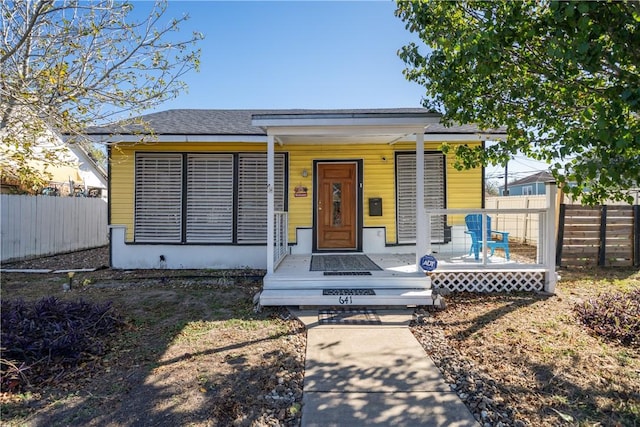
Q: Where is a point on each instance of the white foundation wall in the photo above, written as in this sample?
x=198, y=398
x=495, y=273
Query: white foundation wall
x=373, y=242
x=148, y=256
x=141, y=256
x=304, y=238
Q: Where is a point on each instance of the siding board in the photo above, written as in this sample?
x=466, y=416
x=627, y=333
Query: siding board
x=464, y=188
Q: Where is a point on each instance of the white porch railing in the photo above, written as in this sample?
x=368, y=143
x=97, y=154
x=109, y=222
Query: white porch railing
x=457, y=254
x=281, y=242
x=461, y=242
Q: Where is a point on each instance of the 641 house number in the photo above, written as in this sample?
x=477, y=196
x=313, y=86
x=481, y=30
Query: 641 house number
x=345, y=300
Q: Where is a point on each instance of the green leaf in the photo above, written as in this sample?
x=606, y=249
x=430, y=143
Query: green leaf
x=71, y=48
x=583, y=7
x=562, y=76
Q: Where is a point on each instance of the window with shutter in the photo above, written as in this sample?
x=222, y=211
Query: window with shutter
x=434, y=195
x=252, y=195
x=209, y=198
x=158, y=198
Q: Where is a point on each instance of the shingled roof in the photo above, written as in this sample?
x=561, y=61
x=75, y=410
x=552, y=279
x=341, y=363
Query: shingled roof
x=542, y=176
x=238, y=122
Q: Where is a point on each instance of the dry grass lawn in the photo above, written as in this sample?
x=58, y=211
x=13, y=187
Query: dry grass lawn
x=548, y=368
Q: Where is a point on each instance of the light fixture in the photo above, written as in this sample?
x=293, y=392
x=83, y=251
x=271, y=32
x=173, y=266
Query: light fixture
x=305, y=173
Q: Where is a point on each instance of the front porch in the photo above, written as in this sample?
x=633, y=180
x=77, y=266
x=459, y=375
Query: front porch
x=398, y=283
x=399, y=280
x=405, y=217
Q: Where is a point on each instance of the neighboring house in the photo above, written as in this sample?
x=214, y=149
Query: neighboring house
x=76, y=174
x=252, y=188
x=531, y=185
x=93, y=177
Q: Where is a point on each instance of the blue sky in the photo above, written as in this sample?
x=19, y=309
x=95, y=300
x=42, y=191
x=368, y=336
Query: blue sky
x=296, y=54
x=301, y=54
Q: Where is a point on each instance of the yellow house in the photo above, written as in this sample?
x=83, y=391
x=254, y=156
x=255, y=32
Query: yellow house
x=253, y=188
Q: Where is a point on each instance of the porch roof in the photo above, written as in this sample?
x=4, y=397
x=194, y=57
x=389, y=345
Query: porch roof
x=251, y=125
x=352, y=126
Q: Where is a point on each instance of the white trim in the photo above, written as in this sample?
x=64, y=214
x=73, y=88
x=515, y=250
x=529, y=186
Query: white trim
x=455, y=211
x=261, y=139
x=456, y=137
x=346, y=131
x=488, y=280
x=144, y=138
x=270, y=203
x=550, y=240
x=88, y=168
x=423, y=234
x=401, y=122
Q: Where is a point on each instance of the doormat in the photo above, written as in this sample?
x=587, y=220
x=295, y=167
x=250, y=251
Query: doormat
x=356, y=262
x=349, y=317
x=347, y=273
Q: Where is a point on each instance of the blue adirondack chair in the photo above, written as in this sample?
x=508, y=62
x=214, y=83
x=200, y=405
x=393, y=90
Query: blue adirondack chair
x=474, y=229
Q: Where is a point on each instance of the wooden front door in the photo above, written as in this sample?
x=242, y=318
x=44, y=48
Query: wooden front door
x=336, y=210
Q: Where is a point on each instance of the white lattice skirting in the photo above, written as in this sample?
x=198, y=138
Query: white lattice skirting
x=489, y=281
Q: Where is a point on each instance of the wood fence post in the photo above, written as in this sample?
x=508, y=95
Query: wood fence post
x=561, y=216
x=526, y=221
x=602, y=250
x=636, y=236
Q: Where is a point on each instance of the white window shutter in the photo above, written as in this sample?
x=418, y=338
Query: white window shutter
x=434, y=195
x=209, y=198
x=158, y=198
x=252, y=195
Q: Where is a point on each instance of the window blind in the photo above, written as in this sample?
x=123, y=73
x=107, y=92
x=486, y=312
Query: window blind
x=434, y=195
x=158, y=198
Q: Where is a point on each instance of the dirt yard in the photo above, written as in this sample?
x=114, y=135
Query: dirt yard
x=193, y=352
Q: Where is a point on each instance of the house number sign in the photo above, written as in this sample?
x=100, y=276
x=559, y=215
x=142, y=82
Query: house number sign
x=345, y=300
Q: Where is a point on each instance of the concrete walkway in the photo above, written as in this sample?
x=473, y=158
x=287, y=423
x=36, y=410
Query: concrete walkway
x=374, y=375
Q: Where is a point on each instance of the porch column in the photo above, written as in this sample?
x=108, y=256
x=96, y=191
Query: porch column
x=550, y=238
x=421, y=218
x=270, y=202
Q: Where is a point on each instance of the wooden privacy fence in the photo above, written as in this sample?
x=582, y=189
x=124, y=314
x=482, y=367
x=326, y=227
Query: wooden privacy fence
x=35, y=226
x=602, y=235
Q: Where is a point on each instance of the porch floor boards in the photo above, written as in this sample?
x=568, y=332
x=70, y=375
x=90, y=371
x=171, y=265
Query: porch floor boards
x=398, y=271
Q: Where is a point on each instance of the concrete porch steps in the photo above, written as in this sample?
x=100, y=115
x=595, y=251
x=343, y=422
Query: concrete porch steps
x=348, y=297
x=317, y=280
